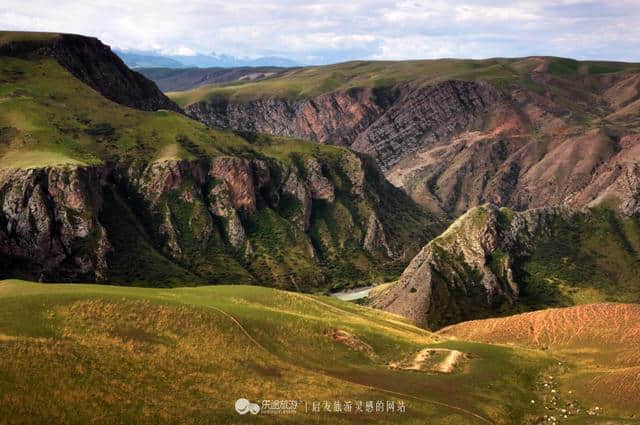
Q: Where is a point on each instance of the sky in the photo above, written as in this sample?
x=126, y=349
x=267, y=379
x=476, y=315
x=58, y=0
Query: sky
x=328, y=31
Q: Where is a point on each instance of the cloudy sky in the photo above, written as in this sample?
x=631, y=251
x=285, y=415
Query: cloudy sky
x=326, y=31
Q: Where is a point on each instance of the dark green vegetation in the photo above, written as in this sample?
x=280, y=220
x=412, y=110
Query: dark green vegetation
x=154, y=198
x=569, y=259
x=314, y=81
x=586, y=258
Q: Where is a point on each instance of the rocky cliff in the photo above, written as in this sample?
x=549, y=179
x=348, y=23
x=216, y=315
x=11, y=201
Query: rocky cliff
x=388, y=124
x=334, y=118
x=494, y=261
x=522, y=133
x=305, y=224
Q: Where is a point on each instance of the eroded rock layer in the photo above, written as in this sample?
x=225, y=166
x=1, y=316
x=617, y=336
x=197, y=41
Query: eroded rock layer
x=539, y=137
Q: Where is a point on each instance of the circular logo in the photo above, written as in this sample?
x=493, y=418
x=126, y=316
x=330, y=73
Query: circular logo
x=254, y=409
x=242, y=406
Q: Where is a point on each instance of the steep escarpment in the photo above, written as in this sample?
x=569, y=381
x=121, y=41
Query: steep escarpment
x=94, y=64
x=494, y=261
x=388, y=124
x=299, y=224
x=46, y=218
x=524, y=133
x=427, y=116
x=333, y=118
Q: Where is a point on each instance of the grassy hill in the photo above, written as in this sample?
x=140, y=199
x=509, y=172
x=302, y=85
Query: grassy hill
x=316, y=80
x=50, y=118
x=110, y=355
x=81, y=353
x=599, y=342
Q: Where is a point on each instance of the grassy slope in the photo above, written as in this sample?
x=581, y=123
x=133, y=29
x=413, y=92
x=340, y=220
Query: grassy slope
x=50, y=118
x=599, y=342
x=313, y=81
x=47, y=117
x=71, y=353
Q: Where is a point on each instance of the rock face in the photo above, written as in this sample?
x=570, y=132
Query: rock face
x=426, y=116
x=335, y=118
x=484, y=264
x=97, y=66
x=386, y=123
x=223, y=219
x=545, y=140
x=48, y=222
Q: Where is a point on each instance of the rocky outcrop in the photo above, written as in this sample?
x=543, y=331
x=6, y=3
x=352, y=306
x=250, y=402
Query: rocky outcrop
x=375, y=239
x=243, y=178
x=96, y=65
x=319, y=185
x=295, y=188
x=221, y=206
x=221, y=219
x=468, y=271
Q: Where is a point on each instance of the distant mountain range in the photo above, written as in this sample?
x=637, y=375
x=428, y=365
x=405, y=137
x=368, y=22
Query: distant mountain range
x=178, y=79
x=150, y=59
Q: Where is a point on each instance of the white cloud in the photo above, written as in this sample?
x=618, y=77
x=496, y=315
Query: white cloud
x=493, y=15
x=329, y=30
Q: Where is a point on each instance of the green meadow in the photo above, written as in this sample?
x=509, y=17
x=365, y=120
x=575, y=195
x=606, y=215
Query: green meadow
x=113, y=355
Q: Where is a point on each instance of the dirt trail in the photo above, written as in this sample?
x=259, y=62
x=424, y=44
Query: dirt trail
x=450, y=362
x=447, y=365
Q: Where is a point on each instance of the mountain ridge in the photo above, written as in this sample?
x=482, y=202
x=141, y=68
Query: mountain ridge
x=455, y=133
x=93, y=63
x=147, y=59
x=169, y=79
